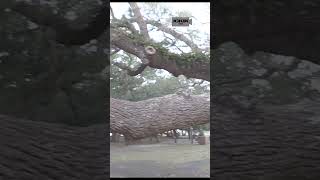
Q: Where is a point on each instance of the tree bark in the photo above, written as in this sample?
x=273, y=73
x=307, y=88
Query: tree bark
x=145, y=118
x=36, y=150
x=265, y=116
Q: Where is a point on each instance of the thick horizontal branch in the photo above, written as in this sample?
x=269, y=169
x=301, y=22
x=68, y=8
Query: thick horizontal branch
x=191, y=65
x=145, y=118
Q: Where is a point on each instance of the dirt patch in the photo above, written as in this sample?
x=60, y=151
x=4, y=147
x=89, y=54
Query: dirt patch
x=164, y=159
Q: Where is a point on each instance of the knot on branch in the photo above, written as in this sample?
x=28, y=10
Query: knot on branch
x=150, y=50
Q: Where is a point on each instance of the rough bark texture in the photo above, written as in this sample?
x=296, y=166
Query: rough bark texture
x=265, y=116
x=36, y=150
x=149, y=117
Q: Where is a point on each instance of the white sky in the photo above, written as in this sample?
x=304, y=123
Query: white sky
x=201, y=10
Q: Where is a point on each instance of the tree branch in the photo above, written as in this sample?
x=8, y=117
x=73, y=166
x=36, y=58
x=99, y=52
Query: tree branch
x=152, y=54
x=172, y=111
x=175, y=34
x=197, y=83
x=173, y=42
x=191, y=67
x=113, y=17
x=122, y=41
x=141, y=23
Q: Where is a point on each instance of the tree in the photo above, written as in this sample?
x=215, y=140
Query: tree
x=260, y=130
x=124, y=36
x=152, y=54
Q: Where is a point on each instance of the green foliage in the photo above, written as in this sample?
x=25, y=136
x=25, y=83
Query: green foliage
x=203, y=127
x=195, y=56
x=144, y=86
x=148, y=84
x=121, y=84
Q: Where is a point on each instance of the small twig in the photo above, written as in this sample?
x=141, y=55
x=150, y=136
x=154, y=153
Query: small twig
x=173, y=42
x=198, y=83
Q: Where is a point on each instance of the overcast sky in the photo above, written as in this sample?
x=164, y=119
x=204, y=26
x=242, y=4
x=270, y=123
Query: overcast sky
x=200, y=10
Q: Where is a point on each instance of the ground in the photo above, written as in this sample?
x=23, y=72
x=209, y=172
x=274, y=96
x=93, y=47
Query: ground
x=164, y=159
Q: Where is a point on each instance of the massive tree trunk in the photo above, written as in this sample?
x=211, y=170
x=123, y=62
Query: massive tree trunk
x=265, y=116
x=36, y=150
x=149, y=117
